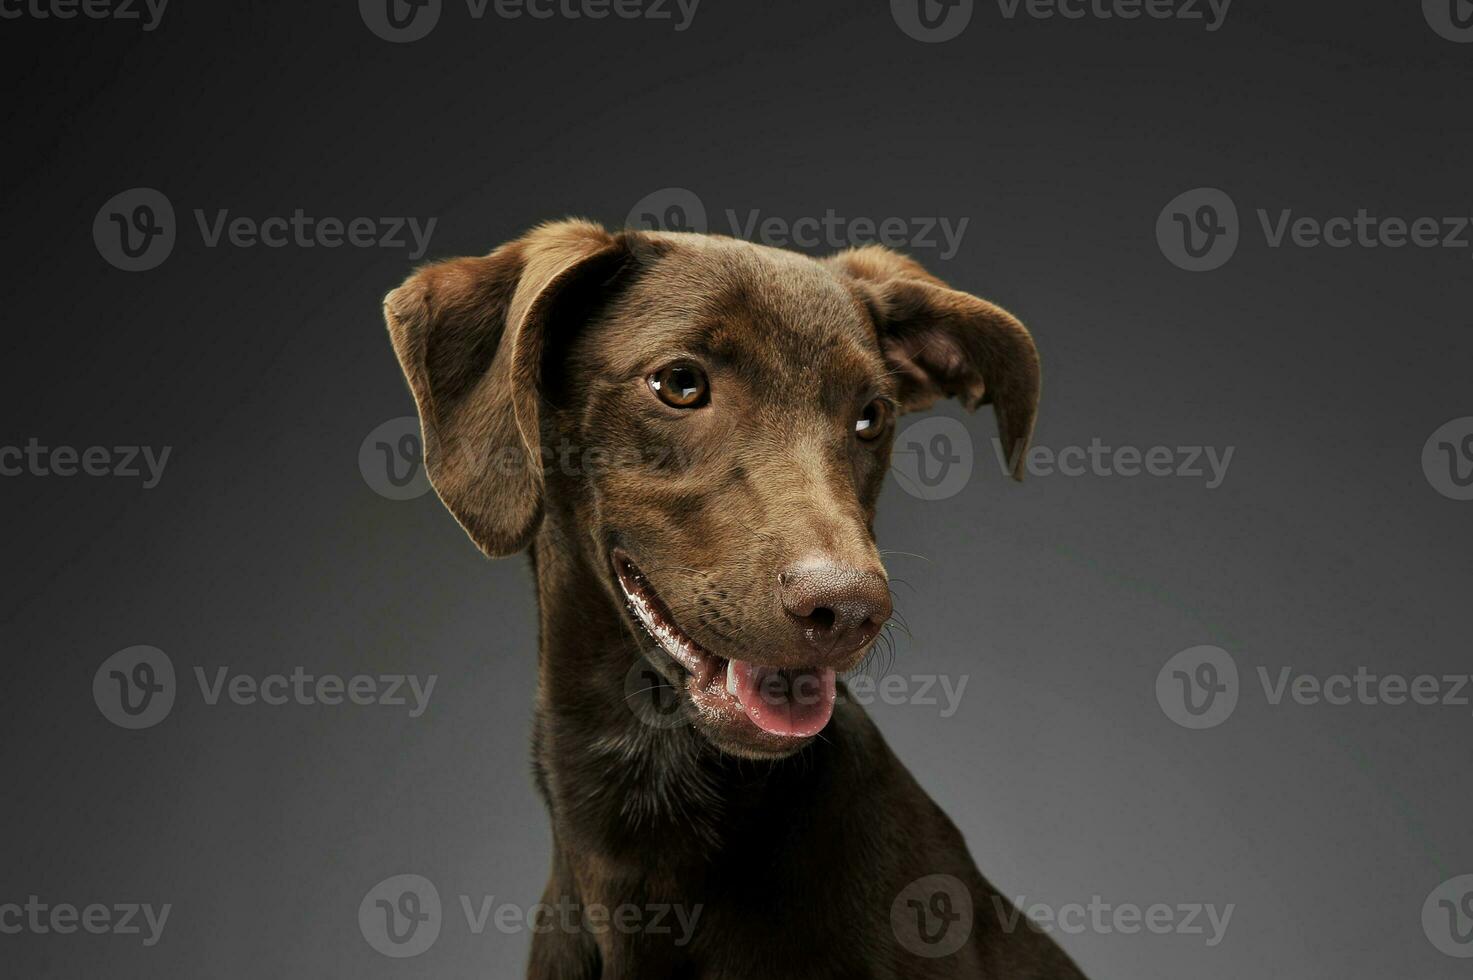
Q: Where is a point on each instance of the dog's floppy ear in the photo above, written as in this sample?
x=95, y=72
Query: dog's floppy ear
x=469, y=335
x=945, y=343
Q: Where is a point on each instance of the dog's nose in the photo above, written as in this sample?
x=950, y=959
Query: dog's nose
x=839, y=609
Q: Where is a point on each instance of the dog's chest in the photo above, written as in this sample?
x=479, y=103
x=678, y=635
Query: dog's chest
x=713, y=937
x=752, y=910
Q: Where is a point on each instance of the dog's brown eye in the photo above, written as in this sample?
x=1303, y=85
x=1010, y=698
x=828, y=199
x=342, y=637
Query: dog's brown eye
x=680, y=386
x=871, y=425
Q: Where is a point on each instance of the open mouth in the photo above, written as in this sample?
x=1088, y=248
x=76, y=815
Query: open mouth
x=790, y=703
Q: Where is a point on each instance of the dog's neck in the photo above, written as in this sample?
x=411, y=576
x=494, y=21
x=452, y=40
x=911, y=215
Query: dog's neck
x=612, y=780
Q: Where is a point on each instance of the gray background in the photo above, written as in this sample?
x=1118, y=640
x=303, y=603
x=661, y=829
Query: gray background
x=263, y=547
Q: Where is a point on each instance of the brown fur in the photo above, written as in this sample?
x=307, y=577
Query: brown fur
x=528, y=367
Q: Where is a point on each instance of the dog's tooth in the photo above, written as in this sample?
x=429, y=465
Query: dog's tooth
x=731, y=678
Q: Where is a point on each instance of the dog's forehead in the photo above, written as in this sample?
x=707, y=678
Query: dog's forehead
x=769, y=312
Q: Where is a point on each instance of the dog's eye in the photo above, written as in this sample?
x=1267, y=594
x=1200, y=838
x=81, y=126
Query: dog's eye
x=680, y=386
x=871, y=425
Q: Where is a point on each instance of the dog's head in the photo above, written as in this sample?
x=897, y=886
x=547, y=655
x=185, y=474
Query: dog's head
x=707, y=423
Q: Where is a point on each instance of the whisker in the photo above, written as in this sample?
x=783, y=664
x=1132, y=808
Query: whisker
x=898, y=619
x=901, y=581
x=907, y=554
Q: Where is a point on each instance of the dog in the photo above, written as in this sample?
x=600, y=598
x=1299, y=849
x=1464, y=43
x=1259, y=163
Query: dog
x=689, y=434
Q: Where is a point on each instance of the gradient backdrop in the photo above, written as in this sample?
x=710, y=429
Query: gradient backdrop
x=1336, y=541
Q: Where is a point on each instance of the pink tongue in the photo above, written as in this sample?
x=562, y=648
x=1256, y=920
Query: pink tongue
x=794, y=703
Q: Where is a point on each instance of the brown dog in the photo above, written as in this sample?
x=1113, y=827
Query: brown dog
x=690, y=433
